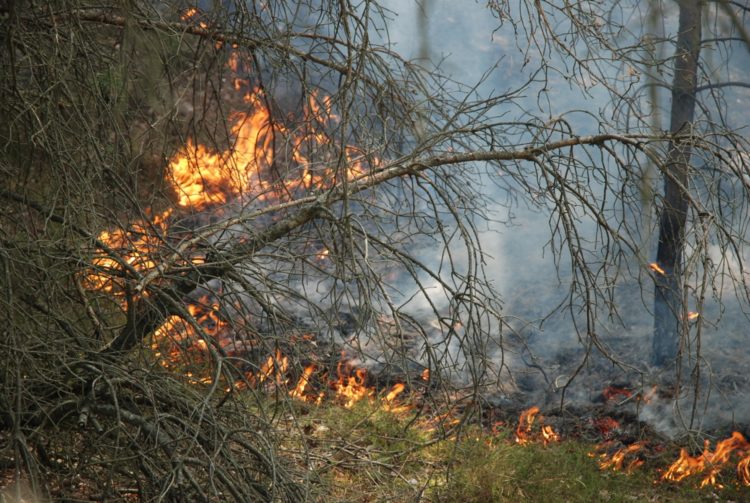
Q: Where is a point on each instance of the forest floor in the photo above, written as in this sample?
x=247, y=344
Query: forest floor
x=368, y=453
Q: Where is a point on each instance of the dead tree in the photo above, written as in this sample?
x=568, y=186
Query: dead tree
x=669, y=309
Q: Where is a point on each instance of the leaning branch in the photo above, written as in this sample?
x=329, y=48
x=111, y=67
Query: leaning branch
x=149, y=315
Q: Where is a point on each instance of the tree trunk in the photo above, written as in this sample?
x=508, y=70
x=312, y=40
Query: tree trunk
x=668, y=298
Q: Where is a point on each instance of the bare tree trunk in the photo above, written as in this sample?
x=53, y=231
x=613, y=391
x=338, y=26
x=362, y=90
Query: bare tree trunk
x=668, y=298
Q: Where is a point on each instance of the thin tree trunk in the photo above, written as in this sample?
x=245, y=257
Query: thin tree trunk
x=668, y=299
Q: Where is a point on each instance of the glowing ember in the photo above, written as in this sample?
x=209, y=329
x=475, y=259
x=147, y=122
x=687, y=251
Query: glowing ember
x=711, y=463
x=190, y=12
x=612, y=392
x=656, y=268
x=426, y=375
x=692, y=316
x=606, y=425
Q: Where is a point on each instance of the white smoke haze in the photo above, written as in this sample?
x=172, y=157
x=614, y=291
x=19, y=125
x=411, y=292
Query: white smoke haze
x=544, y=351
x=464, y=41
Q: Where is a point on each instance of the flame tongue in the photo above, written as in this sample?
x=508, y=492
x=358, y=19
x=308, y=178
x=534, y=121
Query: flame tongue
x=525, y=422
x=711, y=463
x=616, y=461
x=203, y=178
x=525, y=425
x=350, y=386
x=743, y=470
x=299, y=389
x=657, y=268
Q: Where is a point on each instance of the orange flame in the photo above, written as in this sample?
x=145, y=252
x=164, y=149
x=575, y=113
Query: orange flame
x=274, y=366
x=617, y=460
x=656, y=268
x=299, y=390
x=525, y=422
x=203, y=178
x=711, y=463
x=525, y=425
x=549, y=434
x=350, y=388
x=743, y=470
x=389, y=401
x=395, y=391
x=137, y=249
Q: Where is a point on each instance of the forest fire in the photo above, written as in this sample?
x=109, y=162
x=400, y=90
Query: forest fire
x=708, y=465
x=136, y=249
x=206, y=180
x=350, y=386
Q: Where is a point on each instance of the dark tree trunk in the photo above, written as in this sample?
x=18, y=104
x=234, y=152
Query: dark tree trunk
x=668, y=299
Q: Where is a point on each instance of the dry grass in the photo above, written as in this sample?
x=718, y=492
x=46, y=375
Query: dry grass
x=366, y=454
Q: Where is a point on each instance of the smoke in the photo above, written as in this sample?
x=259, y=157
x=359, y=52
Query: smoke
x=548, y=337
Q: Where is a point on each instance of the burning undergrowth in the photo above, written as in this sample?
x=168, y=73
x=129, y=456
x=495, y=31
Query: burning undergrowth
x=299, y=318
x=602, y=391
x=310, y=315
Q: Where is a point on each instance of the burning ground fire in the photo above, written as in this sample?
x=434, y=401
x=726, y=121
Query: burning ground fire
x=205, y=180
x=707, y=465
x=524, y=430
x=616, y=461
